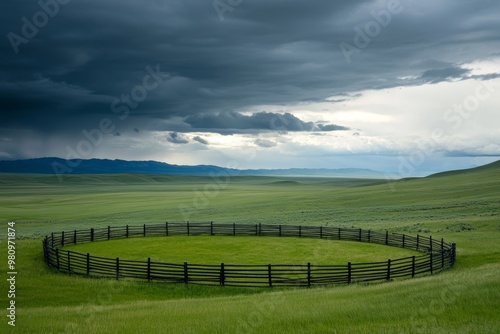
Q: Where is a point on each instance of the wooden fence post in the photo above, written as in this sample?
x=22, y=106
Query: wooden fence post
x=109, y=232
x=222, y=275
x=338, y=233
x=418, y=241
x=52, y=239
x=386, y=237
x=300, y=231
x=389, y=270
x=57, y=257
x=280, y=230
x=186, y=276
x=349, y=272
x=369, y=235
x=403, y=240
x=359, y=234
x=74, y=238
x=44, y=244
x=234, y=229
x=430, y=243
x=62, y=238
x=166, y=228
x=431, y=262
x=413, y=266
x=88, y=264
x=308, y=274
x=144, y=230
x=187, y=226
x=69, y=263
x=211, y=228
x=117, y=268
x=92, y=235
x=269, y=274
x=126, y=231
x=321, y=232
x=260, y=229
x=149, y=269
x=45, y=250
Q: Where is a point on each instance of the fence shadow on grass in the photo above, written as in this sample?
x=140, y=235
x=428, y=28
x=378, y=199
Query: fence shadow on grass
x=437, y=255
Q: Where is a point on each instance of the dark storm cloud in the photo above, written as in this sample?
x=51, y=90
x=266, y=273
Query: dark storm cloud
x=232, y=122
x=177, y=138
x=331, y=127
x=453, y=73
x=66, y=76
x=444, y=74
x=200, y=140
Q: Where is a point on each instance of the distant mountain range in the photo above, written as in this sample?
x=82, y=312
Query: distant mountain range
x=106, y=166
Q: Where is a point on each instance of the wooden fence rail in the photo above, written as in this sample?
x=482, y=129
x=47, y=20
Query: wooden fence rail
x=437, y=255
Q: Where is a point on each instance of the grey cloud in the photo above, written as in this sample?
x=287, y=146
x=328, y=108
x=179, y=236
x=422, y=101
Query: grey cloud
x=489, y=76
x=339, y=100
x=262, y=121
x=265, y=143
x=332, y=127
x=177, y=138
x=200, y=140
x=444, y=74
x=480, y=152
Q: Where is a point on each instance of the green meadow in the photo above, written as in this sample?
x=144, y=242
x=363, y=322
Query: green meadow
x=241, y=250
x=461, y=207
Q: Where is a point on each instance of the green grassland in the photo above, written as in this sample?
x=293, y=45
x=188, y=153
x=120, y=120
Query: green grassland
x=461, y=207
x=241, y=250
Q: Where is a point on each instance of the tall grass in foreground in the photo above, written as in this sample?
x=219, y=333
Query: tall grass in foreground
x=451, y=302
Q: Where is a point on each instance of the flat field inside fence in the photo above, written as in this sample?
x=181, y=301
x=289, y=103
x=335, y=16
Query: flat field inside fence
x=461, y=207
x=241, y=250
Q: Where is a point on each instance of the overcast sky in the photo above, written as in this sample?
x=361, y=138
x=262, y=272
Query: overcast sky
x=404, y=86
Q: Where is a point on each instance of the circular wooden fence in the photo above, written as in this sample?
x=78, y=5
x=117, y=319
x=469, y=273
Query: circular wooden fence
x=437, y=255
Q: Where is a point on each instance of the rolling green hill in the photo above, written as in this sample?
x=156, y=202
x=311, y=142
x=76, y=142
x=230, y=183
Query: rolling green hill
x=459, y=206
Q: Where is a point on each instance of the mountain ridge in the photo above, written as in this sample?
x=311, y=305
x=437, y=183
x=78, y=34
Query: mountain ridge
x=59, y=166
